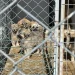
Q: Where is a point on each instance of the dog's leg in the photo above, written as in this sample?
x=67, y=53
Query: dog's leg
x=72, y=57
x=13, y=43
x=39, y=51
x=28, y=50
x=17, y=43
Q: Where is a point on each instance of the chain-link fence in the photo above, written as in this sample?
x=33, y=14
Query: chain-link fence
x=18, y=44
x=27, y=37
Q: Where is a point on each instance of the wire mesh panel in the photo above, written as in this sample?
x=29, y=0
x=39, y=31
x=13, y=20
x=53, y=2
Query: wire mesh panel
x=27, y=39
x=25, y=30
x=4, y=29
x=69, y=39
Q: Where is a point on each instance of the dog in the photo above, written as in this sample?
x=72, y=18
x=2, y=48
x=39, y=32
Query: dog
x=24, y=23
x=30, y=39
x=23, y=34
x=36, y=26
x=14, y=31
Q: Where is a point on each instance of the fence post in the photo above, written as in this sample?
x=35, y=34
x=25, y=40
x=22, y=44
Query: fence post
x=56, y=37
x=62, y=37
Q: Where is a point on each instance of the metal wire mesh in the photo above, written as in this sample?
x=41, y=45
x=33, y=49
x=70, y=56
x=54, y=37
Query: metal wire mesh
x=69, y=39
x=39, y=63
x=23, y=26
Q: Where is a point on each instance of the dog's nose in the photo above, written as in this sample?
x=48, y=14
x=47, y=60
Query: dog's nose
x=15, y=31
x=35, y=29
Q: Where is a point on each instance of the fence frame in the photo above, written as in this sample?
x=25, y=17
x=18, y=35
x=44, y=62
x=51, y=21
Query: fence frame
x=51, y=31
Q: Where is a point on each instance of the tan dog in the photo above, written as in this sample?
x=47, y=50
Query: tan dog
x=32, y=38
x=24, y=23
x=14, y=31
x=36, y=26
x=23, y=34
x=29, y=36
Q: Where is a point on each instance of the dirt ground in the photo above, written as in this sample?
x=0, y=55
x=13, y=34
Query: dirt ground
x=69, y=68
x=33, y=65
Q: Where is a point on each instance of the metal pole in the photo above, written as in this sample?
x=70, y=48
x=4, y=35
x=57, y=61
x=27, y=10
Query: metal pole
x=7, y=56
x=56, y=36
x=21, y=72
x=62, y=37
x=6, y=8
x=60, y=44
x=12, y=73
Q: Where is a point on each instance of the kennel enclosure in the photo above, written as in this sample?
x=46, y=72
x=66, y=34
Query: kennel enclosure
x=51, y=15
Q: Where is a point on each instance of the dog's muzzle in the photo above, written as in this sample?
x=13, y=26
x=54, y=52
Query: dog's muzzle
x=34, y=28
x=14, y=31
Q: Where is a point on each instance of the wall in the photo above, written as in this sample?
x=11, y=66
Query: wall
x=42, y=9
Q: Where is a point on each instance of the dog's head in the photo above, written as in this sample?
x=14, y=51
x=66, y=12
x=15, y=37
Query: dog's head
x=24, y=23
x=24, y=33
x=35, y=26
x=14, y=28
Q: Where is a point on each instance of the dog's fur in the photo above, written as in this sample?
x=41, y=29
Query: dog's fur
x=24, y=23
x=14, y=31
x=36, y=26
x=24, y=33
